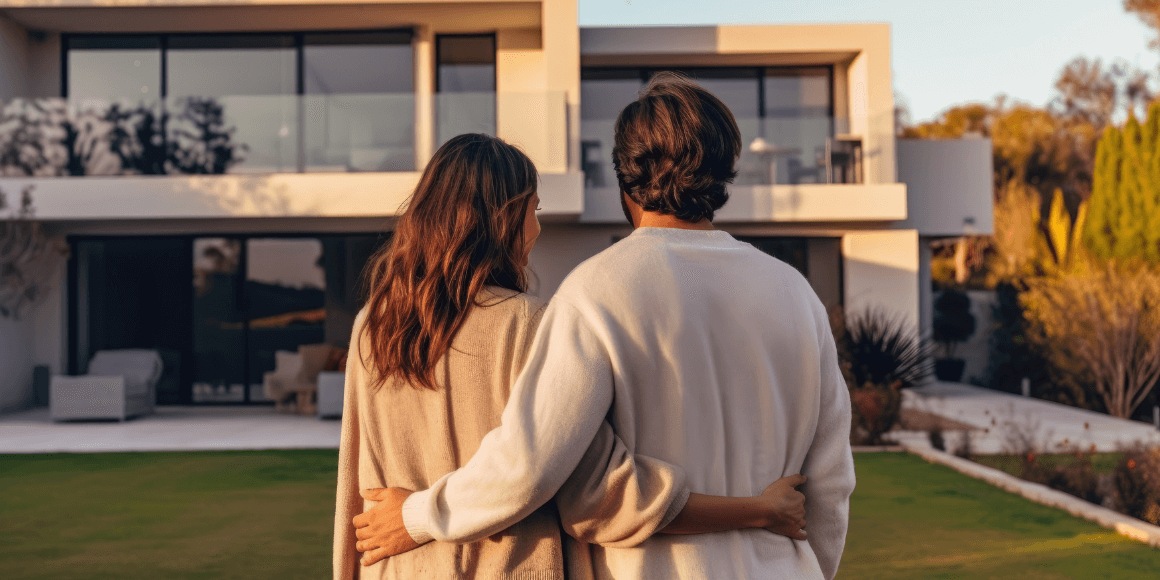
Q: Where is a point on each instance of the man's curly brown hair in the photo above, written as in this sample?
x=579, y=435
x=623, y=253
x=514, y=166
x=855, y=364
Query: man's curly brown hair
x=675, y=149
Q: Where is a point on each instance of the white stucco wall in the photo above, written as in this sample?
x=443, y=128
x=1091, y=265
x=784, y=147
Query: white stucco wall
x=242, y=195
x=13, y=60
x=15, y=363
x=35, y=338
x=881, y=272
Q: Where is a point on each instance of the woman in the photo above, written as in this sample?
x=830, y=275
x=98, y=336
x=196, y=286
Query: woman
x=446, y=330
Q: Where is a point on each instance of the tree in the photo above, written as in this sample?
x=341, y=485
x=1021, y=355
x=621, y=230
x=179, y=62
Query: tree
x=1104, y=324
x=1124, y=220
x=24, y=256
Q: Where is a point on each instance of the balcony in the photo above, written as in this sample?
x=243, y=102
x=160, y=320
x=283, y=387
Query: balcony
x=792, y=168
x=258, y=155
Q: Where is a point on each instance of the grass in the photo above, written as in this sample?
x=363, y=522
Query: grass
x=269, y=514
x=914, y=520
x=266, y=514
x=1102, y=463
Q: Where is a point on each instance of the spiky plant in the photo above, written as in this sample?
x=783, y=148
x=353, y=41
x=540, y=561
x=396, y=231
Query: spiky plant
x=884, y=350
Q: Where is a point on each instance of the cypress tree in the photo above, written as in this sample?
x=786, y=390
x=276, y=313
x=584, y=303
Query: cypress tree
x=1123, y=221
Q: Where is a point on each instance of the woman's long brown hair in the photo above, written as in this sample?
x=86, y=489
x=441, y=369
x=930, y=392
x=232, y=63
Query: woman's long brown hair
x=462, y=229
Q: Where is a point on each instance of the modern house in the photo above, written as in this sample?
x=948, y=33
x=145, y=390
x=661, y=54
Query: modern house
x=222, y=169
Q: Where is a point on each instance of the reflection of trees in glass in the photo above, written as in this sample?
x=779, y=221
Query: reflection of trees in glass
x=48, y=137
x=213, y=257
x=41, y=138
x=202, y=143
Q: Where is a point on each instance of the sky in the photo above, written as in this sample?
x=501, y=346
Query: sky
x=944, y=52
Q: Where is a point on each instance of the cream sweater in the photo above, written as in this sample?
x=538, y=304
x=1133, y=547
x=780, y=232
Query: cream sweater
x=399, y=436
x=701, y=351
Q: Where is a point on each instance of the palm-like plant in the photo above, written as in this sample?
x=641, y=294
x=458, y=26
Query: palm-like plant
x=882, y=349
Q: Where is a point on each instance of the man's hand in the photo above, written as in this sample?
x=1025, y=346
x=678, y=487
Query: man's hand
x=783, y=508
x=380, y=530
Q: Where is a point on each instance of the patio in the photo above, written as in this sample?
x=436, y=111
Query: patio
x=170, y=428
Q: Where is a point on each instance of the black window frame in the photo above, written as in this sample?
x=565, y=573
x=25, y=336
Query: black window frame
x=299, y=41
x=760, y=74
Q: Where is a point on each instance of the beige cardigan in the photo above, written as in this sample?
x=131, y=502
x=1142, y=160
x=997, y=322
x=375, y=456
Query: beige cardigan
x=399, y=436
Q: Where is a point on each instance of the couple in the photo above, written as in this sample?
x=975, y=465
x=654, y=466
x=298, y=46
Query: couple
x=567, y=440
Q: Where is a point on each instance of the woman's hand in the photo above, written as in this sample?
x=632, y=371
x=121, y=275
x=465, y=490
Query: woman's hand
x=783, y=508
x=380, y=529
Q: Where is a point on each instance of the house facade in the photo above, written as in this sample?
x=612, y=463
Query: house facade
x=222, y=170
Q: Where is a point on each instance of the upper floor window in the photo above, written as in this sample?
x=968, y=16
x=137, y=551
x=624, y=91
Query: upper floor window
x=249, y=103
x=465, y=85
x=785, y=116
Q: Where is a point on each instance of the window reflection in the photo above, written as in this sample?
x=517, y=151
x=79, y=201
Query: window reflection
x=253, y=78
x=785, y=116
x=115, y=68
x=359, y=109
x=465, y=84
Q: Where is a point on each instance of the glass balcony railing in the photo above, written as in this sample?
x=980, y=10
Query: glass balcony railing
x=775, y=151
x=264, y=134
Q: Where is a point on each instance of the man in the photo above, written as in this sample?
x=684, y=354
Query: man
x=700, y=350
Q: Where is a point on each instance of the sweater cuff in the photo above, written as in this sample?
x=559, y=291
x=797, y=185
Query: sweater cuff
x=675, y=508
x=415, y=516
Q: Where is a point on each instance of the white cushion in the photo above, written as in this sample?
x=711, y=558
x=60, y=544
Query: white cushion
x=141, y=368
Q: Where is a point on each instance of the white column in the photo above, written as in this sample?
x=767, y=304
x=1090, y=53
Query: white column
x=424, y=54
x=881, y=273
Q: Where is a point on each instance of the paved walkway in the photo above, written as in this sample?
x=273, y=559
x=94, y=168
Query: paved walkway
x=1001, y=421
x=169, y=429
x=1004, y=422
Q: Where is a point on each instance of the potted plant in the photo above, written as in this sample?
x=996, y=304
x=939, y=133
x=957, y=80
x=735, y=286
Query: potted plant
x=880, y=355
x=953, y=324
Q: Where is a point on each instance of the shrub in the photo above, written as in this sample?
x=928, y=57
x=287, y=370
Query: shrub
x=953, y=322
x=1136, y=484
x=1103, y=323
x=875, y=411
x=1076, y=477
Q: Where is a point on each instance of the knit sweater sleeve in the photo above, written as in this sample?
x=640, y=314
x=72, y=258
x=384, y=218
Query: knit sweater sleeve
x=829, y=464
x=613, y=498
x=348, y=502
x=619, y=499
x=555, y=411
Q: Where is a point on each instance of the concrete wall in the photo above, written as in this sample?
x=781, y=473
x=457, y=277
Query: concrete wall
x=804, y=203
x=35, y=338
x=15, y=363
x=881, y=272
x=949, y=184
x=13, y=60
x=242, y=195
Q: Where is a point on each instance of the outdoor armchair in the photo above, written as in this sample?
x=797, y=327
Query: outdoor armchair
x=119, y=384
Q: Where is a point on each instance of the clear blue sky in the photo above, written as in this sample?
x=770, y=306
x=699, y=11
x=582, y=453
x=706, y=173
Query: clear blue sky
x=945, y=51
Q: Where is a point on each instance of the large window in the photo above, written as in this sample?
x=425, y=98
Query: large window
x=217, y=308
x=252, y=80
x=251, y=102
x=114, y=68
x=465, y=83
x=785, y=116
x=359, y=102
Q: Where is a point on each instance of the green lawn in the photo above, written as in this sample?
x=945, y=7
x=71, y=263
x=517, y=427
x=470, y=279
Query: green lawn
x=911, y=519
x=268, y=514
